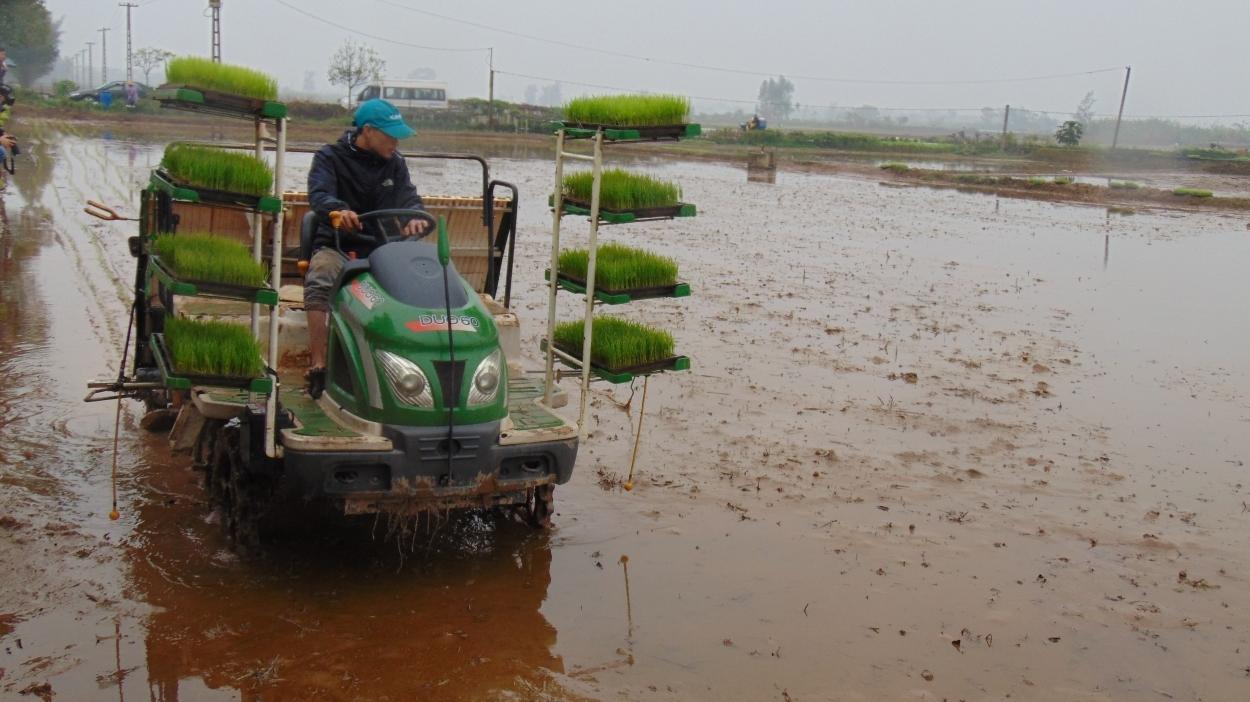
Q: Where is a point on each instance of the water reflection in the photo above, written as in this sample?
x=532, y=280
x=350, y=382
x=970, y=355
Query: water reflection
x=335, y=615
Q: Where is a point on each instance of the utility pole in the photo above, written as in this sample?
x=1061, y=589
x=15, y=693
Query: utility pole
x=1128, y=71
x=1006, y=116
x=130, y=61
x=90, y=64
x=104, y=55
x=216, y=6
x=491, y=103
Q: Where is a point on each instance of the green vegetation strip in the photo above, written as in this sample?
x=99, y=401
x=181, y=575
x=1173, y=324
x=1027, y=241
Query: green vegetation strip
x=896, y=167
x=628, y=110
x=1064, y=180
x=208, y=258
x=1192, y=192
x=207, y=348
x=217, y=169
x=236, y=80
x=622, y=190
x=1124, y=185
x=619, y=267
x=616, y=343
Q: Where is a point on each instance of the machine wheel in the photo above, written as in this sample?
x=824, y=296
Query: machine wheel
x=541, y=506
x=241, y=497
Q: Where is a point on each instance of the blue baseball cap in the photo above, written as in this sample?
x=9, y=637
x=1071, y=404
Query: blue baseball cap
x=383, y=116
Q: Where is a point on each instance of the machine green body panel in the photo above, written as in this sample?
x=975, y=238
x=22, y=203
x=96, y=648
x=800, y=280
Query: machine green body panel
x=367, y=320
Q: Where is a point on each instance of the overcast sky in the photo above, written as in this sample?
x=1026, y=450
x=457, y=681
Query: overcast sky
x=1187, y=58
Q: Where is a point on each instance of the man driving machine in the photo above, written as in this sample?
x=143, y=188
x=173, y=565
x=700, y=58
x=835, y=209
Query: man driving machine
x=363, y=171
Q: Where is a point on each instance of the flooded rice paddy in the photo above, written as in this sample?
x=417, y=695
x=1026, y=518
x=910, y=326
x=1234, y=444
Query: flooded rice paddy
x=934, y=446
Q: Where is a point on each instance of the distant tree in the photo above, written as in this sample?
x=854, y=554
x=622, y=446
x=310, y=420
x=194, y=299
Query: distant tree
x=354, y=64
x=1085, y=110
x=1070, y=133
x=776, y=98
x=147, y=59
x=30, y=38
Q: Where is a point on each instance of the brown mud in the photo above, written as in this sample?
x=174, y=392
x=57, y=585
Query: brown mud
x=935, y=445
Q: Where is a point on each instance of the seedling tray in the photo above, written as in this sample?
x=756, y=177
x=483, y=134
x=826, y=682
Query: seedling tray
x=611, y=296
x=194, y=99
x=179, y=381
x=189, y=193
x=625, y=374
x=617, y=132
x=201, y=288
x=641, y=214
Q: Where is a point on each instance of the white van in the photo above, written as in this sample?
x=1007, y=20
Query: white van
x=407, y=93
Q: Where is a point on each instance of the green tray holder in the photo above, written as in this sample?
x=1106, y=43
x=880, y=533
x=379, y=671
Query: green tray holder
x=178, y=286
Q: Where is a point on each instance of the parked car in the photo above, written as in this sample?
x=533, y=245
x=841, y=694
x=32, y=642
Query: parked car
x=117, y=88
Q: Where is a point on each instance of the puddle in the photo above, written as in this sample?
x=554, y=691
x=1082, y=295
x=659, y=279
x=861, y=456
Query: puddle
x=933, y=445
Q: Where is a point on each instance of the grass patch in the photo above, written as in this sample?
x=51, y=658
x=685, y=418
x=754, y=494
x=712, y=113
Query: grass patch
x=1037, y=180
x=1063, y=180
x=1193, y=192
x=208, y=258
x=895, y=166
x=628, y=110
x=221, y=77
x=617, y=343
x=978, y=179
x=212, y=348
x=1124, y=185
x=622, y=190
x=217, y=169
x=620, y=267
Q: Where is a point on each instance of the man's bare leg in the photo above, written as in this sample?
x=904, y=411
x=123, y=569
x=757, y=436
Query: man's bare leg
x=318, y=337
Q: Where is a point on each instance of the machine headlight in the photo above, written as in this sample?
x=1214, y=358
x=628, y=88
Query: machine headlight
x=408, y=381
x=487, y=379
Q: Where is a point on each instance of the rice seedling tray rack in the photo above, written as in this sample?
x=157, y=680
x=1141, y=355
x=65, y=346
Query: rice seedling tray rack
x=625, y=374
x=185, y=381
x=625, y=133
x=201, y=288
x=196, y=99
x=640, y=214
x=189, y=193
x=609, y=296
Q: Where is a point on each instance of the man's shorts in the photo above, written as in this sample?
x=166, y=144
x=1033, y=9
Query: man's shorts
x=323, y=270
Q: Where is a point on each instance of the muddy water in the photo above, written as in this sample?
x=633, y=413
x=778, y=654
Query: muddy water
x=934, y=445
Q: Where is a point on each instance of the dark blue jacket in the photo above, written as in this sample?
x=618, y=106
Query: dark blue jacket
x=343, y=177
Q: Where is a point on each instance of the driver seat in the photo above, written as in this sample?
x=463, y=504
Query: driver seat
x=307, y=227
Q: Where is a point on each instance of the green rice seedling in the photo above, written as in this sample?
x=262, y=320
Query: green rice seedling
x=218, y=169
x=628, y=110
x=223, y=78
x=622, y=190
x=1193, y=191
x=1124, y=185
x=208, y=258
x=617, y=343
x=1064, y=180
x=620, y=267
x=212, y=348
x=1037, y=180
x=895, y=166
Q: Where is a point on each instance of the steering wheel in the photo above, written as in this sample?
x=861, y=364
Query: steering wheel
x=403, y=216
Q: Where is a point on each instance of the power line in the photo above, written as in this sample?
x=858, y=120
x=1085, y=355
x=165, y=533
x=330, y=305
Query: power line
x=341, y=27
x=721, y=69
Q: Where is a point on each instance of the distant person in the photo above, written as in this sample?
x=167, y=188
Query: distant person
x=132, y=94
x=361, y=172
